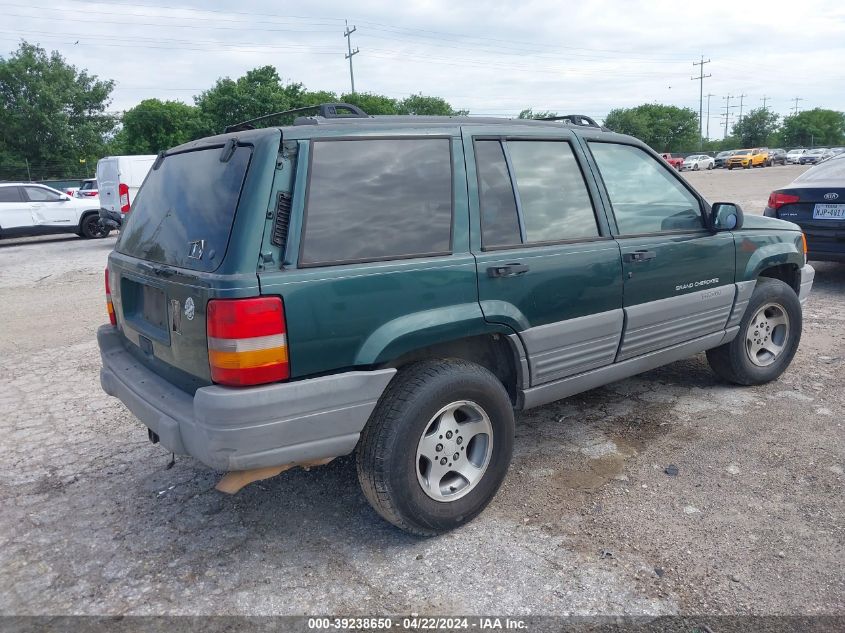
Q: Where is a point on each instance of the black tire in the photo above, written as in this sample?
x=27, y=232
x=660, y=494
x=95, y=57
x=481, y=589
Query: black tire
x=749, y=165
x=732, y=361
x=730, y=168
x=90, y=227
x=695, y=167
x=387, y=452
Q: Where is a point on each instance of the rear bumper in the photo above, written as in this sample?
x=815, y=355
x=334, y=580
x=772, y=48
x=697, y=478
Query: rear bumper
x=239, y=429
x=808, y=273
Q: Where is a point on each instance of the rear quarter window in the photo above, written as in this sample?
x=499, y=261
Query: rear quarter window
x=377, y=199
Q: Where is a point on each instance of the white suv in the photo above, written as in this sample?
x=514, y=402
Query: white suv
x=32, y=209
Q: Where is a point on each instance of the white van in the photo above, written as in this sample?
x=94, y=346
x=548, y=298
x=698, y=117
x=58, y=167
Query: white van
x=119, y=178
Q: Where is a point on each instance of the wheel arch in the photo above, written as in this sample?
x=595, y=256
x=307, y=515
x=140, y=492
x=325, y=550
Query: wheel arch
x=497, y=352
x=85, y=214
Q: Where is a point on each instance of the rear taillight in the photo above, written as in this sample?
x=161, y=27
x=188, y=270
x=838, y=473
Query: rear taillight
x=109, y=304
x=123, y=192
x=777, y=199
x=247, y=342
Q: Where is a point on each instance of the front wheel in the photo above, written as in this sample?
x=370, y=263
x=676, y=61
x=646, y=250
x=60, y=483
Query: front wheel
x=695, y=167
x=91, y=227
x=437, y=447
x=768, y=337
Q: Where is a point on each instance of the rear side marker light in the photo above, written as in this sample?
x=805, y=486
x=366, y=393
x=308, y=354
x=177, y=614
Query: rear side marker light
x=247, y=341
x=777, y=199
x=109, y=304
x=804, y=243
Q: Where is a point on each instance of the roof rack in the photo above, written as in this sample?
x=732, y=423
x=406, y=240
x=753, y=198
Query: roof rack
x=574, y=119
x=325, y=110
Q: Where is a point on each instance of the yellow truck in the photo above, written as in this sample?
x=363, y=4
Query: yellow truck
x=748, y=158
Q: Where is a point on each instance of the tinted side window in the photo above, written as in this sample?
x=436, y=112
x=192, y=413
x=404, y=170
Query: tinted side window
x=553, y=197
x=10, y=194
x=39, y=194
x=499, y=220
x=645, y=197
x=378, y=199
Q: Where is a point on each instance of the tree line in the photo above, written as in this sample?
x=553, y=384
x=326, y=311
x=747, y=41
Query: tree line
x=55, y=122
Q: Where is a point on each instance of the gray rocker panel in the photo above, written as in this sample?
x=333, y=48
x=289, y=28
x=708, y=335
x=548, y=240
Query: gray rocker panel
x=573, y=346
x=658, y=324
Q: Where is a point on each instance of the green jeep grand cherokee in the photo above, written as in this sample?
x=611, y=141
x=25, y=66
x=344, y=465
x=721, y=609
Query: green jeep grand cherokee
x=402, y=285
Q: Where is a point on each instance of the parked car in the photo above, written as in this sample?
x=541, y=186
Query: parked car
x=793, y=156
x=777, y=157
x=88, y=189
x=675, y=161
x=120, y=178
x=812, y=156
x=722, y=157
x=815, y=201
x=697, y=161
x=31, y=209
x=399, y=286
x=748, y=158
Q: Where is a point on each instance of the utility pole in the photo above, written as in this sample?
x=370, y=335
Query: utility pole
x=708, y=95
x=701, y=77
x=764, y=99
x=741, y=97
x=795, y=107
x=28, y=173
x=348, y=35
x=728, y=107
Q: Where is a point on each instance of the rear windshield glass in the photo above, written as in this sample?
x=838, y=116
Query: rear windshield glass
x=183, y=213
x=833, y=169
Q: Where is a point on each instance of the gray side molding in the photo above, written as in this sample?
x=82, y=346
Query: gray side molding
x=808, y=273
x=566, y=387
x=666, y=322
x=573, y=346
x=744, y=290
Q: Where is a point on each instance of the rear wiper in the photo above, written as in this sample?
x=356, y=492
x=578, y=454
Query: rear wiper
x=158, y=271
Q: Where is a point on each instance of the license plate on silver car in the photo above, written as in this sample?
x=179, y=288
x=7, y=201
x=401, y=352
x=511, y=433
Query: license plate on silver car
x=829, y=212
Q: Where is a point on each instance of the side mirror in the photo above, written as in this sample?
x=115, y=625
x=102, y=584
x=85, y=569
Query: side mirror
x=726, y=216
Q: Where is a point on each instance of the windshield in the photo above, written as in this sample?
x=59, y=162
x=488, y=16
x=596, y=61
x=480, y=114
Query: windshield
x=742, y=152
x=184, y=211
x=723, y=154
x=816, y=151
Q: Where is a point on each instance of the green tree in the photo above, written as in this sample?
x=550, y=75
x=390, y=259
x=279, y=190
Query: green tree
x=817, y=127
x=154, y=125
x=52, y=115
x=665, y=128
x=756, y=128
x=433, y=106
x=528, y=113
x=257, y=93
x=371, y=103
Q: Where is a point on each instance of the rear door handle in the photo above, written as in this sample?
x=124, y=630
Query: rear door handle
x=508, y=270
x=639, y=256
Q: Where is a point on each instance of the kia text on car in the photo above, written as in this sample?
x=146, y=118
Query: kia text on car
x=400, y=286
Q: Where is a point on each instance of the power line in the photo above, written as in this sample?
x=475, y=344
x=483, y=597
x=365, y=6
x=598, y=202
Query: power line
x=728, y=107
x=700, y=78
x=741, y=97
x=708, y=95
x=348, y=35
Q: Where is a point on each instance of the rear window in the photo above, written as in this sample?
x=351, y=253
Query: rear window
x=378, y=199
x=833, y=169
x=183, y=213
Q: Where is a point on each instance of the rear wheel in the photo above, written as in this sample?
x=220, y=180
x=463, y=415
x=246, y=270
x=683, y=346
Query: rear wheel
x=91, y=228
x=437, y=447
x=768, y=337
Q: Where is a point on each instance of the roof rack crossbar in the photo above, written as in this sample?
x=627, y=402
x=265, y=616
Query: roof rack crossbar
x=575, y=119
x=325, y=110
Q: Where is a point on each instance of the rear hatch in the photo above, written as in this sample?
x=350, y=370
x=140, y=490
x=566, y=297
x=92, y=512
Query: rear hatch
x=819, y=214
x=194, y=234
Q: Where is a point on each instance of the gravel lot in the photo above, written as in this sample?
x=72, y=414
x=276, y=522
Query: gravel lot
x=587, y=522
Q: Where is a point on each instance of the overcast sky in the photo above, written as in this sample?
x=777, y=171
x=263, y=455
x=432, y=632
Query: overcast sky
x=489, y=56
